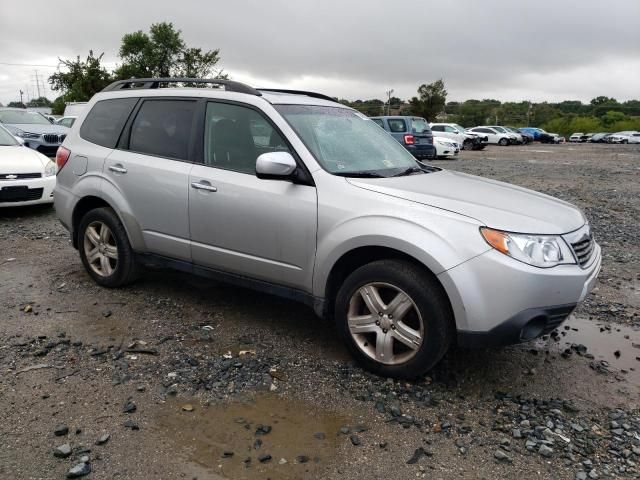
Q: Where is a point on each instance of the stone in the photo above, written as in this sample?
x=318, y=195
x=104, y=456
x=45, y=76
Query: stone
x=129, y=407
x=355, y=440
x=79, y=470
x=502, y=457
x=103, y=439
x=63, y=451
x=545, y=451
x=61, y=430
x=302, y=459
x=264, y=458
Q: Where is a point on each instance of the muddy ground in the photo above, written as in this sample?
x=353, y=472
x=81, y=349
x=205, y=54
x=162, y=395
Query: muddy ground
x=194, y=379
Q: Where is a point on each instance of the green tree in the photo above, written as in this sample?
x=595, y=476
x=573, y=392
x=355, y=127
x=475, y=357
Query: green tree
x=58, y=105
x=430, y=101
x=39, y=102
x=16, y=105
x=602, y=100
x=82, y=79
x=612, y=117
x=163, y=53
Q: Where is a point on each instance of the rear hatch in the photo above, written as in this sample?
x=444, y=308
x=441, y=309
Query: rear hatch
x=421, y=131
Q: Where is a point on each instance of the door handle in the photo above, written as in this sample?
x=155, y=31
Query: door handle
x=117, y=169
x=203, y=186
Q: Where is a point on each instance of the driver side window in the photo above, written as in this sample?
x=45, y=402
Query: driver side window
x=235, y=136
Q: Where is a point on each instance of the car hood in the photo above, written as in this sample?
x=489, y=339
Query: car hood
x=495, y=204
x=21, y=160
x=35, y=128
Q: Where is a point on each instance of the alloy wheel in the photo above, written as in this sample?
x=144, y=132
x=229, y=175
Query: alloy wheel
x=100, y=249
x=385, y=323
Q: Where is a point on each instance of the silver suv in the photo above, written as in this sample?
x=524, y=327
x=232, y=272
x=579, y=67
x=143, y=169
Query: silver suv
x=294, y=194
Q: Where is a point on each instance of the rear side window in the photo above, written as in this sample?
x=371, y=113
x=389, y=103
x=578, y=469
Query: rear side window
x=378, y=121
x=438, y=128
x=104, y=122
x=397, y=125
x=420, y=125
x=163, y=128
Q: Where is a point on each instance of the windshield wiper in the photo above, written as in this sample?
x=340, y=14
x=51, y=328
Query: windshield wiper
x=409, y=171
x=359, y=174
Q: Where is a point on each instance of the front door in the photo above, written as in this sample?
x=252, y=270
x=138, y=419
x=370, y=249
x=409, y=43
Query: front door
x=262, y=229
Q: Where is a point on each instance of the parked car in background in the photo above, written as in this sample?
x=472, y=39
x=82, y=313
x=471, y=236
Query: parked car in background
x=446, y=147
x=407, y=259
x=26, y=176
x=526, y=137
x=411, y=132
x=542, y=136
x=493, y=136
x=465, y=139
x=599, y=137
x=67, y=121
x=577, y=137
x=34, y=128
x=515, y=137
x=624, y=137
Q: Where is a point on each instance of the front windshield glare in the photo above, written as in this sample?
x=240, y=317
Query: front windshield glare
x=346, y=142
x=22, y=116
x=6, y=139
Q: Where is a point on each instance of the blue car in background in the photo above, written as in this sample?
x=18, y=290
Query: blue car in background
x=541, y=136
x=413, y=133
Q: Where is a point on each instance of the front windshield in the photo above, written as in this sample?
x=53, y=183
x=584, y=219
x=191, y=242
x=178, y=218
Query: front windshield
x=346, y=142
x=6, y=139
x=22, y=116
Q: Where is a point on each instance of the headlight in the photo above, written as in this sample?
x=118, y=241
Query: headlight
x=50, y=169
x=538, y=250
x=445, y=144
x=22, y=134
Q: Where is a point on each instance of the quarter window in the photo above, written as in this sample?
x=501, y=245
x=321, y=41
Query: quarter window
x=378, y=121
x=235, y=136
x=105, y=121
x=163, y=128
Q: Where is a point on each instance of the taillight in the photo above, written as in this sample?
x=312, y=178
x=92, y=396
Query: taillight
x=62, y=155
x=408, y=139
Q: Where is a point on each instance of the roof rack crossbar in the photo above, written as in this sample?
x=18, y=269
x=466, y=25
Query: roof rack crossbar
x=299, y=92
x=150, y=83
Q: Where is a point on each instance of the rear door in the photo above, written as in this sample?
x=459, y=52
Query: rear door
x=151, y=169
x=262, y=229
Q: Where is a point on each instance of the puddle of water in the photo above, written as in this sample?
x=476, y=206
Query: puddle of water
x=206, y=433
x=603, y=340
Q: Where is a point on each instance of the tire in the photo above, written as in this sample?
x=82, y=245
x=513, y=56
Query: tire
x=503, y=142
x=102, y=234
x=426, y=312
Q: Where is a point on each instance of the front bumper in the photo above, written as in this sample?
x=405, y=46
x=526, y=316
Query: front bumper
x=38, y=190
x=497, y=300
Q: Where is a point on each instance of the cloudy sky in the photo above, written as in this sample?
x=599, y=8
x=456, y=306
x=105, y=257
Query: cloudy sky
x=509, y=50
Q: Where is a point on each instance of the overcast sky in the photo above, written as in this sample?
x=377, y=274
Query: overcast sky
x=508, y=50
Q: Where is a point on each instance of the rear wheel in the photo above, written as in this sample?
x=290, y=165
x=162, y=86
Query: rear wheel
x=105, y=250
x=394, y=318
x=503, y=142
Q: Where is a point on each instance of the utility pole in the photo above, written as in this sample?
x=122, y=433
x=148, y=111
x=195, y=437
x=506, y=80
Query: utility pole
x=389, y=92
x=21, y=93
x=38, y=84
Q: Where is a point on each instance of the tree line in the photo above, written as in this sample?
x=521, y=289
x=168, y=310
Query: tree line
x=601, y=114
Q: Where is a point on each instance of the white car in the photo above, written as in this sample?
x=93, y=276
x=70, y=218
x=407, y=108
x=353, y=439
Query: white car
x=576, y=137
x=445, y=147
x=514, y=137
x=27, y=177
x=624, y=137
x=494, y=136
x=458, y=134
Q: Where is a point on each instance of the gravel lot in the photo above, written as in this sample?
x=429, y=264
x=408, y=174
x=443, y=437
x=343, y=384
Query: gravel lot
x=181, y=377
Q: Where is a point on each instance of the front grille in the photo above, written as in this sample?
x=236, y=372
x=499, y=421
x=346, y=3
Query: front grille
x=20, y=194
x=583, y=250
x=18, y=176
x=54, y=138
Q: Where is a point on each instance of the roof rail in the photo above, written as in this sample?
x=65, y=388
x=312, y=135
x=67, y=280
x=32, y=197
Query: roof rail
x=149, y=83
x=299, y=92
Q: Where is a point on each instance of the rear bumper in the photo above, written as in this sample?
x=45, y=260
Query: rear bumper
x=422, y=151
x=522, y=327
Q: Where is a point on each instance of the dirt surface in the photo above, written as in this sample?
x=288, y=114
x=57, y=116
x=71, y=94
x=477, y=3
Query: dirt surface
x=194, y=379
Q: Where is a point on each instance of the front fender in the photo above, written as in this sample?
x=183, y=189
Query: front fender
x=439, y=246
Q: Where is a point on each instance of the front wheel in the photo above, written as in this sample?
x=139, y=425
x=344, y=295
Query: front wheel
x=394, y=318
x=503, y=142
x=105, y=250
